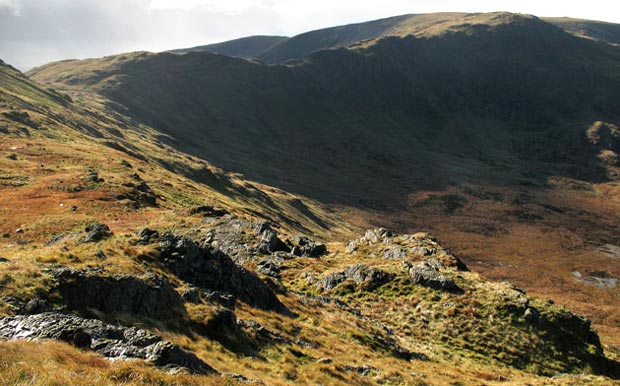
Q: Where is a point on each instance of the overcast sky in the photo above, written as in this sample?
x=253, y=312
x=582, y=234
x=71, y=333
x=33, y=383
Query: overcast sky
x=34, y=32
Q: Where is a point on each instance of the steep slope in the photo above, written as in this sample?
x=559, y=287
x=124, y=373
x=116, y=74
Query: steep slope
x=497, y=132
x=195, y=294
x=461, y=94
x=597, y=30
x=247, y=47
x=304, y=44
x=277, y=49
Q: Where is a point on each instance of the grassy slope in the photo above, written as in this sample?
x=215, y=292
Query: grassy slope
x=247, y=47
x=277, y=49
x=53, y=156
x=460, y=222
x=597, y=30
x=453, y=111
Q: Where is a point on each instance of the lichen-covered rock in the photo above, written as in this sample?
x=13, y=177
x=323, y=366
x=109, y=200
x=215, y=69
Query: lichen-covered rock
x=393, y=246
x=242, y=239
x=110, y=341
x=361, y=274
x=428, y=274
x=395, y=253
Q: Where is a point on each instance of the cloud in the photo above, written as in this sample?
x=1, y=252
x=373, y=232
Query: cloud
x=10, y=6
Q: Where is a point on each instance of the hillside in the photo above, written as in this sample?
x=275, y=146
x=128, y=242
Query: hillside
x=597, y=30
x=277, y=49
x=247, y=47
x=110, y=251
x=203, y=215
x=468, y=149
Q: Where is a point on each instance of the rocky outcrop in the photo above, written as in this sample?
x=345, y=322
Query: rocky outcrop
x=428, y=273
x=147, y=236
x=242, y=239
x=208, y=211
x=372, y=236
x=362, y=275
x=269, y=267
x=96, y=232
x=393, y=246
x=138, y=192
x=150, y=296
x=306, y=247
x=209, y=268
x=108, y=340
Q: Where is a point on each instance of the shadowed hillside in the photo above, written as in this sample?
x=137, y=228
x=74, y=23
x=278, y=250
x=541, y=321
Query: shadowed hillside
x=116, y=245
x=187, y=180
x=248, y=47
x=477, y=102
x=597, y=30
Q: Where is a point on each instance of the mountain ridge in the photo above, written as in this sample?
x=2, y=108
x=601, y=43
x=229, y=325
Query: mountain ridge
x=296, y=47
x=157, y=172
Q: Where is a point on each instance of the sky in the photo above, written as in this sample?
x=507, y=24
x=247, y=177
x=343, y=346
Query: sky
x=35, y=32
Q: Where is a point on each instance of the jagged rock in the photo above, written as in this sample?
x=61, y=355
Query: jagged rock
x=303, y=246
x=269, y=241
x=96, y=232
x=395, y=253
x=208, y=268
x=362, y=274
x=351, y=246
x=370, y=277
x=169, y=355
x=373, y=236
x=208, y=211
x=422, y=251
x=150, y=296
x=241, y=239
x=331, y=281
x=109, y=341
x=269, y=267
x=147, y=236
x=4, y=260
x=12, y=157
x=36, y=306
x=427, y=273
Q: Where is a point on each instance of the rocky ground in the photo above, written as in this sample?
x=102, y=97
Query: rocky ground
x=401, y=296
